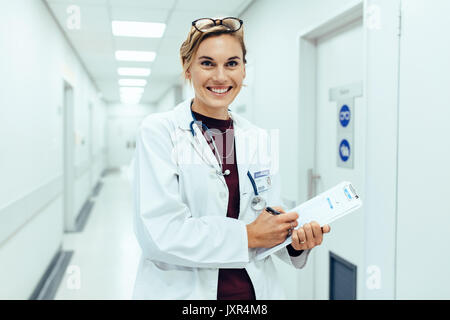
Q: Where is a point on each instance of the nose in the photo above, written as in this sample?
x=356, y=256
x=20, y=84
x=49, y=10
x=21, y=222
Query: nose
x=220, y=74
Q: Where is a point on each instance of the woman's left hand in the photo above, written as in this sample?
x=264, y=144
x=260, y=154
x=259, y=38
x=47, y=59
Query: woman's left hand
x=309, y=236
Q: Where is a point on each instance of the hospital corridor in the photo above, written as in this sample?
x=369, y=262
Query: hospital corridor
x=217, y=150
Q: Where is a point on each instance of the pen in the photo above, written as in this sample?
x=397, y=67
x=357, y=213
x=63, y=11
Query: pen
x=272, y=211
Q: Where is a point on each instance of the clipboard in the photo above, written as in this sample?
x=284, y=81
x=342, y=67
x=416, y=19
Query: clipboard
x=325, y=208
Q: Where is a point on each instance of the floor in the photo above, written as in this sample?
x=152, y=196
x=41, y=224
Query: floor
x=106, y=253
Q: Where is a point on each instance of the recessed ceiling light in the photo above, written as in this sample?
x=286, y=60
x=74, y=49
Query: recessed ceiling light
x=133, y=82
x=126, y=55
x=144, y=72
x=138, y=29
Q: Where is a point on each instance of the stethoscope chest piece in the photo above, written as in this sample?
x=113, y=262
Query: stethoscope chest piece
x=258, y=203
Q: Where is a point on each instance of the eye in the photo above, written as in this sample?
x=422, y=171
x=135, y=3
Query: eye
x=232, y=63
x=206, y=63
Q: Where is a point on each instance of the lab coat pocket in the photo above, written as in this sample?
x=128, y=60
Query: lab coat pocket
x=192, y=185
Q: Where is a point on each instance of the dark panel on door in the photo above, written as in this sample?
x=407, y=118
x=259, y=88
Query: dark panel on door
x=342, y=279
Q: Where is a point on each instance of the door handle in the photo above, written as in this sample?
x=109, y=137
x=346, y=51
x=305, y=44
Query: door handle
x=312, y=178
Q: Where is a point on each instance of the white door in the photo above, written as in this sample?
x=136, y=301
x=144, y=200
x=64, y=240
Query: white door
x=122, y=140
x=339, y=62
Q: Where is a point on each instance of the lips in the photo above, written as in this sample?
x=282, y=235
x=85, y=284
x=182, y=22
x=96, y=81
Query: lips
x=220, y=90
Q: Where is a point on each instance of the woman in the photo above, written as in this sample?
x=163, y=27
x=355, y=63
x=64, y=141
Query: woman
x=203, y=177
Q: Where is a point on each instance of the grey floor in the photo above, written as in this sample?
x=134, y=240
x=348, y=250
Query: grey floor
x=106, y=253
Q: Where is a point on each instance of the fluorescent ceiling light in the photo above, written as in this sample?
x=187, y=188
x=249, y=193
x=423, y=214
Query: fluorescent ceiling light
x=138, y=29
x=133, y=82
x=144, y=72
x=131, y=90
x=126, y=55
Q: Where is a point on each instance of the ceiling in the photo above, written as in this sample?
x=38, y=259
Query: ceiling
x=96, y=45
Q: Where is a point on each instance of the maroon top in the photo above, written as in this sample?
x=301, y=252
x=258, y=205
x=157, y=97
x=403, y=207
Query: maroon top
x=233, y=283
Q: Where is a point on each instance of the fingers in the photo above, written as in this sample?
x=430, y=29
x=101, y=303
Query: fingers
x=310, y=243
x=295, y=240
x=301, y=236
x=299, y=239
x=288, y=217
x=309, y=236
x=326, y=228
x=288, y=228
x=317, y=233
x=280, y=209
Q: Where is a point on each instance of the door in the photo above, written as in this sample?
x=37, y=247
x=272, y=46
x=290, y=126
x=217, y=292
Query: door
x=339, y=70
x=122, y=140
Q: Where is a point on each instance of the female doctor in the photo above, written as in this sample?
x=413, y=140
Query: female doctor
x=203, y=178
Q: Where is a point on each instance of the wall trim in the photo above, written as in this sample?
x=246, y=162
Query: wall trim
x=15, y=215
x=48, y=285
x=97, y=188
x=83, y=216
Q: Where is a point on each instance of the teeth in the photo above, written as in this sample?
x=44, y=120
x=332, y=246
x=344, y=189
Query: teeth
x=219, y=90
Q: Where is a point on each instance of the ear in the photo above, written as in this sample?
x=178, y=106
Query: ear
x=187, y=75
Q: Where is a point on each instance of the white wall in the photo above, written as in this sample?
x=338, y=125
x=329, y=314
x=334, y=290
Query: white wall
x=98, y=140
x=380, y=202
x=173, y=95
x=34, y=60
x=423, y=221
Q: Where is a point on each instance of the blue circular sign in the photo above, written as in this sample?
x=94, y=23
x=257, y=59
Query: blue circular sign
x=344, y=115
x=344, y=150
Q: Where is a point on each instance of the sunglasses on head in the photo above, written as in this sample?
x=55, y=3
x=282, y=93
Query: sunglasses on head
x=205, y=24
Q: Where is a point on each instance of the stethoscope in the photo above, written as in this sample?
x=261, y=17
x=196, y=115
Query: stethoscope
x=258, y=203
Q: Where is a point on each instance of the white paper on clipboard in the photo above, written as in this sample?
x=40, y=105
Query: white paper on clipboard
x=324, y=208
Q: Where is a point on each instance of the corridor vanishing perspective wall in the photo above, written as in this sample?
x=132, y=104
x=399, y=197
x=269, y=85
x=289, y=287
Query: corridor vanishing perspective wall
x=31, y=125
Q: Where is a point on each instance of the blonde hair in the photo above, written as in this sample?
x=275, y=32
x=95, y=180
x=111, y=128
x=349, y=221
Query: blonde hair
x=190, y=46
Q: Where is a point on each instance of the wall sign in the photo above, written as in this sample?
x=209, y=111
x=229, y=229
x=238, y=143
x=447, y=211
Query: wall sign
x=345, y=115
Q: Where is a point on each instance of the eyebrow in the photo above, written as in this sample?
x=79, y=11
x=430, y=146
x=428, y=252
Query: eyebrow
x=209, y=58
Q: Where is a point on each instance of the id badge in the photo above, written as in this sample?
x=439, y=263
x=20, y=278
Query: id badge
x=263, y=180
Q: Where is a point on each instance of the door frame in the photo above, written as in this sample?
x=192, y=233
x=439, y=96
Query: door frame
x=307, y=48
x=91, y=144
x=68, y=155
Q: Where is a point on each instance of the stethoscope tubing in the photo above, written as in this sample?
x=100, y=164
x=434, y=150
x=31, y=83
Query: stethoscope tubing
x=191, y=125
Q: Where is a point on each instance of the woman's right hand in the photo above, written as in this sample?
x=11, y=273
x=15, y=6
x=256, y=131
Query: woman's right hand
x=269, y=230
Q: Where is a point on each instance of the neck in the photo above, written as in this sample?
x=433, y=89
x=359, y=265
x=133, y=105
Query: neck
x=216, y=113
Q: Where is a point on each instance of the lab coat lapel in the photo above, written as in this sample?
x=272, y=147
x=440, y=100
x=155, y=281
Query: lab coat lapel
x=199, y=143
x=246, y=149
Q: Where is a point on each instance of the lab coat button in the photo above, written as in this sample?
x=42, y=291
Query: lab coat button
x=223, y=195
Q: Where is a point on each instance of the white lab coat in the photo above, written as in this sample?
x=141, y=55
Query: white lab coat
x=181, y=206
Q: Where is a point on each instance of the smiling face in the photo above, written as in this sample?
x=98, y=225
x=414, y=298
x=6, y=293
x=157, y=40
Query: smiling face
x=217, y=72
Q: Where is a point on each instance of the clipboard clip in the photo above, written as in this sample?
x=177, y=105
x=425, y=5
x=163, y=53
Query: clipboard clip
x=350, y=192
